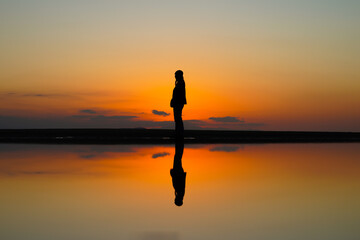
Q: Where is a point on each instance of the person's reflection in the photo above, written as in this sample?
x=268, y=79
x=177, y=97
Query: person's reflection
x=177, y=173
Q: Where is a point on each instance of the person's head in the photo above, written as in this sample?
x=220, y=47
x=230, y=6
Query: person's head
x=178, y=202
x=179, y=75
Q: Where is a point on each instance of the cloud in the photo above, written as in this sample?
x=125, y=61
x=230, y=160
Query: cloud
x=100, y=152
x=75, y=121
x=40, y=172
x=89, y=111
x=44, y=95
x=114, y=121
x=162, y=154
x=225, y=148
x=15, y=94
x=226, y=119
x=35, y=173
x=233, y=123
x=194, y=124
x=104, y=118
x=88, y=156
x=160, y=113
x=78, y=149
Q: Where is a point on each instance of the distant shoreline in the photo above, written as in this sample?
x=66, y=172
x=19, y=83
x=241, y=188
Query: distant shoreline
x=164, y=136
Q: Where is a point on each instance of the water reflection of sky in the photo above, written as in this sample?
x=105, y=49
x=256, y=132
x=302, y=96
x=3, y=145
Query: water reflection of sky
x=274, y=191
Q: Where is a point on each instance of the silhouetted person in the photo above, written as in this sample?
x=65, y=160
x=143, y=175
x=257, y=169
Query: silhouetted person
x=178, y=101
x=177, y=174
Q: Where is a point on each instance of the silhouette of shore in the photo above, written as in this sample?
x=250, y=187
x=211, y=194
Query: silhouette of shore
x=164, y=136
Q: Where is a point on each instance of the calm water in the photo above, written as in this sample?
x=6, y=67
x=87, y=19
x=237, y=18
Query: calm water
x=248, y=192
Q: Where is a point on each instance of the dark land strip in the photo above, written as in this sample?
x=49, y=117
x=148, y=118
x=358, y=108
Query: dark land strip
x=163, y=136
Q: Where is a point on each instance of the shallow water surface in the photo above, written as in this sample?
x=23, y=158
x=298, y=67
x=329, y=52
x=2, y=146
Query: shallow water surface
x=248, y=192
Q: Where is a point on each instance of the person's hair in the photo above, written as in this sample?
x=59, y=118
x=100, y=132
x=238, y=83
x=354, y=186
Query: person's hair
x=179, y=76
x=178, y=202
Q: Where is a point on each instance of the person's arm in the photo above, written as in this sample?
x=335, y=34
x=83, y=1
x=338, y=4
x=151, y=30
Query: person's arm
x=172, y=102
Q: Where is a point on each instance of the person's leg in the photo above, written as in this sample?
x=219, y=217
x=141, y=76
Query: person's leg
x=179, y=125
x=179, y=149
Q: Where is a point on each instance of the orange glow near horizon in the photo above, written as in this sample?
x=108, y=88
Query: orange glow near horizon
x=239, y=60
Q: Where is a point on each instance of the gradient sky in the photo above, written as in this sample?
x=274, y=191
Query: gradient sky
x=267, y=65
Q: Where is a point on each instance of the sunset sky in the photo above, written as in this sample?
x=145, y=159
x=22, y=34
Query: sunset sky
x=263, y=65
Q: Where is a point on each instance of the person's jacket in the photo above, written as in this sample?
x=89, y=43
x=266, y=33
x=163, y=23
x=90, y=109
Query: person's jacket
x=179, y=95
x=178, y=180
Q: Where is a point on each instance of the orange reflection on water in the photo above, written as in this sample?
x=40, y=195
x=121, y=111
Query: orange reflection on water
x=232, y=191
x=204, y=162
